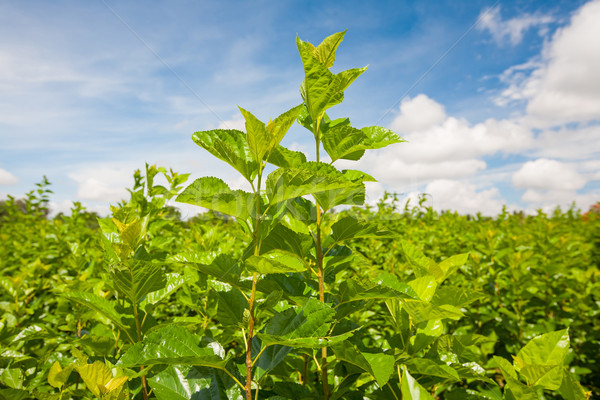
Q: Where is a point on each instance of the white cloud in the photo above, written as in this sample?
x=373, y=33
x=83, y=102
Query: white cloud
x=6, y=178
x=440, y=146
x=463, y=197
x=565, y=143
x=548, y=200
x=107, y=184
x=511, y=29
x=564, y=87
x=417, y=114
x=235, y=123
x=548, y=174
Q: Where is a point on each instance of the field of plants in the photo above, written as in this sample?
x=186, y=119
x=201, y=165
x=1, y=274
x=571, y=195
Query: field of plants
x=295, y=290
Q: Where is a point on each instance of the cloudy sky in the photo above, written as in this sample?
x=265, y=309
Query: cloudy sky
x=499, y=100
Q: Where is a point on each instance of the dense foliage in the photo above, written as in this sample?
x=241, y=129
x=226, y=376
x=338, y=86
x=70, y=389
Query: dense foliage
x=270, y=295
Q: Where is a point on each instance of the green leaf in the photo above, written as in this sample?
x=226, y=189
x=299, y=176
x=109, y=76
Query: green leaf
x=259, y=140
x=304, y=342
x=283, y=238
x=288, y=183
x=172, y=345
x=57, y=376
x=173, y=282
x=455, y=296
x=275, y=262
x=425, y=366
x=223, y=267
x=348, y=143
x=382, y=366
x=138, y=280
x=231, y=146
x=450, y=265
x=570, y=389
x=285, y=158
x=425, y=287
x=104, y=307
x=303, y=327
x=231, y=306
x=378, y=137
x=343, y=142
x=421, y=311
x=96, y=377
x=349, y=228
x=184, y=383
x=411, y=389
x=214, y=194
x=263, y=139
x=20, y=394
x=379, y=365
x=325, y=52
x=280, y=125
x=420, y=263
x=321, y=89
x=541, y=360
x=173, y=384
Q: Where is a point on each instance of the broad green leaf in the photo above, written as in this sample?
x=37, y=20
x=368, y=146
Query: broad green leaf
x=450, y=265
x=307, y=326
x=285, y=158
x=130, y=233
x=346, y=142
x=259, y=140
x=343, y=142
x=425, y=366
x=171, y=345
x=104, y=307
x=275, y=262
x=263, y=139
x=184, y=383
x=357, y=176
x=352, y=192
x=382, y=366
x=222, y=267
x=231, y=306
x=139, y=280
x=425, y=287
x=173, y=384
x=570, y=389
x=214, y=194
x=174, y=282
x=57, y=376
x=284, y=239
x=421, y=311
x=20, y=394
x=455, y=296
x=351, y=290
x=231, y=146
x=378, y=137
x=95, y=376
x=351, y=228
x=325, y=52
x=321, y=89
x=303, y=342
x=411, y=389
x=280, y=125
x=420, y=263
x=287, y=183
x=379, y=365
x=541, y=360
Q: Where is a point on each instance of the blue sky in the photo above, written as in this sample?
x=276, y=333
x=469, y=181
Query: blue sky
x=499, y=100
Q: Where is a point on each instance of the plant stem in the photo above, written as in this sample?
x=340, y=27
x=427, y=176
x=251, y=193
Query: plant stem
x=321, y=274
x=251, y=301
x=138, y=328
